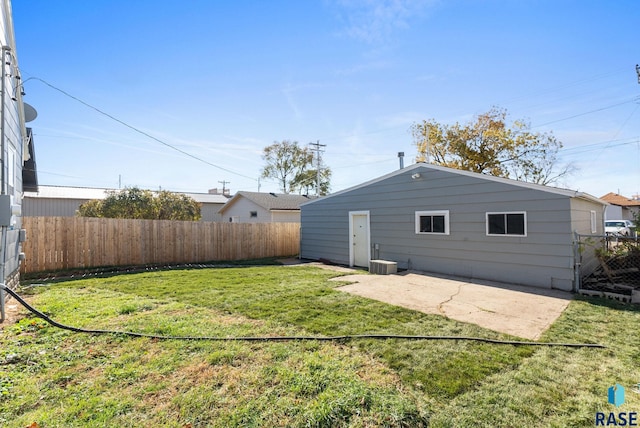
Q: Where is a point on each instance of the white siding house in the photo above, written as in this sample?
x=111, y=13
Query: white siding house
x=256, y=207
x=436, y=219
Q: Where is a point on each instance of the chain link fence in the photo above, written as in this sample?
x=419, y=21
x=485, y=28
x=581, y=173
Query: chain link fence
x=608, y=266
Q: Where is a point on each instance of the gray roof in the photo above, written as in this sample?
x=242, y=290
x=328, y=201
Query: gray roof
x=426, y=166
x=271, y=201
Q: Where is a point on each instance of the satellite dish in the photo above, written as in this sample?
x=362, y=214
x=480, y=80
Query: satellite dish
x=29, y=113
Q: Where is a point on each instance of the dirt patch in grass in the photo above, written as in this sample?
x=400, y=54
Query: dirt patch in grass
x=14, y=311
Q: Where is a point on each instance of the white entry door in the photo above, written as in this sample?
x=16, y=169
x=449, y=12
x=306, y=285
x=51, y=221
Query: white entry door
x=360, y=251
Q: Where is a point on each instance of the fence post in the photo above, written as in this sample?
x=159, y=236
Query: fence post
x=577, y=261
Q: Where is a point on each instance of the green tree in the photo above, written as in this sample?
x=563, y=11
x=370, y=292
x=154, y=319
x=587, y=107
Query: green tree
x=288, y=163
x=490, y=146
x=130, y=203
x=142, y=204
x=177, y=206
x=92, y=208
x=306, y=181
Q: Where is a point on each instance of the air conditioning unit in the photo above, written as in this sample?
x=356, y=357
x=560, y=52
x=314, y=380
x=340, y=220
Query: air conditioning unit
x=382, y=267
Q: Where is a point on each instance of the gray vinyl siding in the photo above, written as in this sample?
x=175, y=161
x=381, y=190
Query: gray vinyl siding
x=543, y=258
x=13, y=130
x=52, y=207
x=581, y=217
x=12, y=263
x=324, y=233
x=581, y=223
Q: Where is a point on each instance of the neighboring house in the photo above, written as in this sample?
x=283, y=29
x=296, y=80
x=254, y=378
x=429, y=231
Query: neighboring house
x=211, y=204
x=437, y=219
x=64, y=201
x=621, y=207
x=256, y=207
x=18, y=170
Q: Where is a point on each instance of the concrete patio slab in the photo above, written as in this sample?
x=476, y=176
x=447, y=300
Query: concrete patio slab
x=520, y=311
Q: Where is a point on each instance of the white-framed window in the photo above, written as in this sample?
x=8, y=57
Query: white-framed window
x=432, y=222
x=507, y=223
x=594, y=224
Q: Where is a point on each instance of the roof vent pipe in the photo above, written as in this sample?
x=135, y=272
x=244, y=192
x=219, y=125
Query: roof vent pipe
x=401, y=157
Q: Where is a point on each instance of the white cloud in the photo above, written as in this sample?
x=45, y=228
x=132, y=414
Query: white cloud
x=374, y=21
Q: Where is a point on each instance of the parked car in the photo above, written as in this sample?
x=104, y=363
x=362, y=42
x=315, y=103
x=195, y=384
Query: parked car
x=619, y=227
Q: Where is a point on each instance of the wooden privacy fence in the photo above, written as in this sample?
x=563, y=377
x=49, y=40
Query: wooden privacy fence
x=78, y=242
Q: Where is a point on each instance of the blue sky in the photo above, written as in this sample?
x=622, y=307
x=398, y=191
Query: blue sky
x=221, y=80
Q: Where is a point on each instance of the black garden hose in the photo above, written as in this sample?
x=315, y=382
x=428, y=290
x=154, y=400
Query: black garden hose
x=289, y=338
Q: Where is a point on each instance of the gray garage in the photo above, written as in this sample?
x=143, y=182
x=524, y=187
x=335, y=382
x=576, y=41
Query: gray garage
x=437, y=219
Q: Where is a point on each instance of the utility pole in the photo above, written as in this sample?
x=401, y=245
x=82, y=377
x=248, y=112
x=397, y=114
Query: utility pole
x=224, y=184
x=318, y=150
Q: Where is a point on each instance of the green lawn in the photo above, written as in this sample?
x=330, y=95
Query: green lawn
x=57, y=378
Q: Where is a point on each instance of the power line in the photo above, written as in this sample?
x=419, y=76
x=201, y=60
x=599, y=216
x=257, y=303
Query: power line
x=558, y=88
x=146, y=134
x=608, y=144
x=541, y=92
x=589, y=112
x=595, y=146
